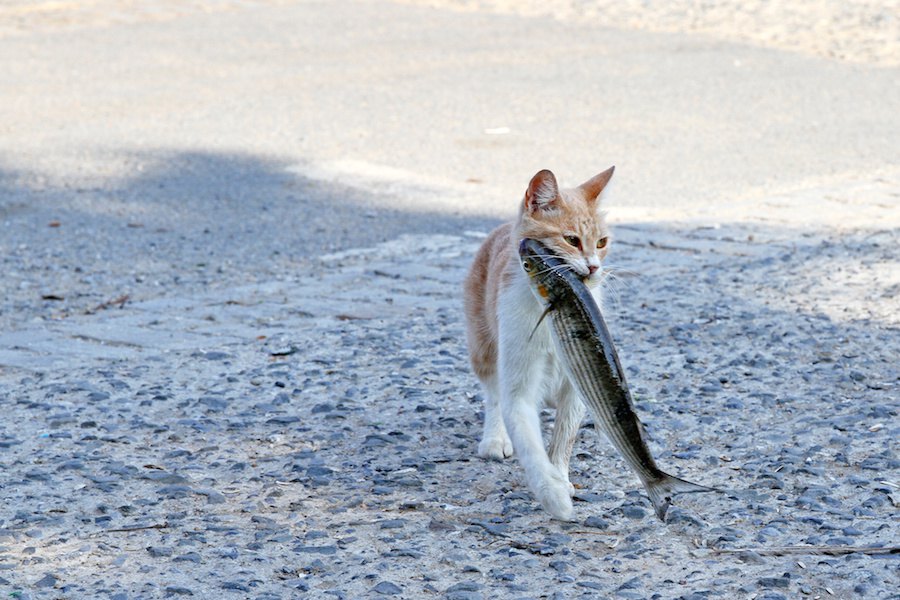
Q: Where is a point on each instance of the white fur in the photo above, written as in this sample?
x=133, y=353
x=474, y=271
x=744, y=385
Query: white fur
x=530, y=377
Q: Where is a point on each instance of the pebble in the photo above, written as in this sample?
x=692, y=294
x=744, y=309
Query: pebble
x=188, y=557
x=326, y=550
x=392, y=524
x=774, y=582
x=176, y=590
x=47, y=580
x=634, y=512
x=386, y=588
x=465, y=586
x=157, y=551
x=596, y=522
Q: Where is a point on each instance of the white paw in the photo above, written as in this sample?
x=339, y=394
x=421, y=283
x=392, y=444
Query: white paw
x=564, y=473
x=555, y=496
x=495, y=448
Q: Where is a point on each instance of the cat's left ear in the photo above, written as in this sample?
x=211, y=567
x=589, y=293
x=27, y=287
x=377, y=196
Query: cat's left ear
x=596, y=184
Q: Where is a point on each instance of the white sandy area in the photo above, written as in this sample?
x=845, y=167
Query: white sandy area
x=864, y=31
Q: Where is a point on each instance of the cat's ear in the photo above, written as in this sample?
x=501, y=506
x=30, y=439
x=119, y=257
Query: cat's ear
x=595, y=185
x=542, y=192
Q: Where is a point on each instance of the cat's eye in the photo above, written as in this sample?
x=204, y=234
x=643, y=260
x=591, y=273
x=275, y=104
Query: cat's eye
x=573, y=240
x=601, y=243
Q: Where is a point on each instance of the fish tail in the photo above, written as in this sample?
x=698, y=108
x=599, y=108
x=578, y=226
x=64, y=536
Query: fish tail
x=665, y=486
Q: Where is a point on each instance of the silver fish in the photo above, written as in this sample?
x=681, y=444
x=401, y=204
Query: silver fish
x=590, y=360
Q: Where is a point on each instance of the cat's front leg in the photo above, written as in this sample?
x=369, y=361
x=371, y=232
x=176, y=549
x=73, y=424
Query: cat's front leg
x=569, y=414
x=544, y=479
x=521, y=398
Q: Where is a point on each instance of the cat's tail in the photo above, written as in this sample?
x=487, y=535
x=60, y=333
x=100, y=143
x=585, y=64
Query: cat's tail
x=665, y=486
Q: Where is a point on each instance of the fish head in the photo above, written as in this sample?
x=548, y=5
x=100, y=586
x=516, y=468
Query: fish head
x=546, y=271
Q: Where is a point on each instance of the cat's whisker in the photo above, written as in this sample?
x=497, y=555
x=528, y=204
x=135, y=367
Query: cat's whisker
x=611, y=293
x=613, y=284
x=613, y=269
x=614, y=278
x=559, y=269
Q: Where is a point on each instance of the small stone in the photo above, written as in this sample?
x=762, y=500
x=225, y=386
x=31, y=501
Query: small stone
x=236, y=586
x=631, y=584
x=751, y=557
x=560, y=566
x=212, y=496
x=464, y=595
x=212, y=355
x=283, y=420
x=386, y=588
x=189, y=557
x=174, y=590
x=591, y=585
x=173, y=492
x=165, y=478
x=465, y=586
x=47, y=580
x=596, y=522
x=774, y=582
x=634, y=512
x=392, y=524
x=327, y=550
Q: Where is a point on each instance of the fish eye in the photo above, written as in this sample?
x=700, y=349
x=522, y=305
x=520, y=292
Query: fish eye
x=526, y=264
x=601, y=243
x=572, y=240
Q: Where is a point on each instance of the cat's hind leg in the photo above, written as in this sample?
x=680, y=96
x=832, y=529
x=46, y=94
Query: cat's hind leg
x=495, y=443
x=569, y=414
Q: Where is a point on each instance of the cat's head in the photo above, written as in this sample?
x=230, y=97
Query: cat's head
x=568, y=221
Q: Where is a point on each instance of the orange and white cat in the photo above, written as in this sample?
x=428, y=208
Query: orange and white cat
x=521, y=373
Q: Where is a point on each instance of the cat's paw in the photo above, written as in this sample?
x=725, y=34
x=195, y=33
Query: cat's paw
x=555, y=497
x=495, y=448
x=564, y=473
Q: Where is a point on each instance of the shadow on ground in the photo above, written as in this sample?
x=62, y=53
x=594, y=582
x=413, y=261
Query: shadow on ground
x=182, y=221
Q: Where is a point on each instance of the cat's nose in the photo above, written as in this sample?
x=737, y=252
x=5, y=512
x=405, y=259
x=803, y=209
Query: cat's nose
x=592, y=269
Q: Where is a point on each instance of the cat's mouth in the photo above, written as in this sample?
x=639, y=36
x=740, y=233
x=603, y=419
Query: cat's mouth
x=590, y=279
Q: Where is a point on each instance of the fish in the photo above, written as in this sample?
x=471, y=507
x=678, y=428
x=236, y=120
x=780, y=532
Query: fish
x=590, y=360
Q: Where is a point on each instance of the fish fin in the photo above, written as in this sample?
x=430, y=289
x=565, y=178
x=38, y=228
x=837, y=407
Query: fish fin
x=540, y=320
x=662, y=489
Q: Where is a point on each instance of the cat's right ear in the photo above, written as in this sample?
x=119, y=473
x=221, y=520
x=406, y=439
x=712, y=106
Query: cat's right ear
x=542, y=193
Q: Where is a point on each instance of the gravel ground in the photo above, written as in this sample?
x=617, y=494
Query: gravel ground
x=317, y=434
x=231, y=349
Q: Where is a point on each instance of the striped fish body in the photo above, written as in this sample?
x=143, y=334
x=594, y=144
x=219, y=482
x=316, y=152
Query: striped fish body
x=590, y=360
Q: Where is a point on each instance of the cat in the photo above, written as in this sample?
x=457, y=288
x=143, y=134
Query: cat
x=520, y=372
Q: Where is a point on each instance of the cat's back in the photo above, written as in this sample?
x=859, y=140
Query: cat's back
x=489, y=273
x=488, y=267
